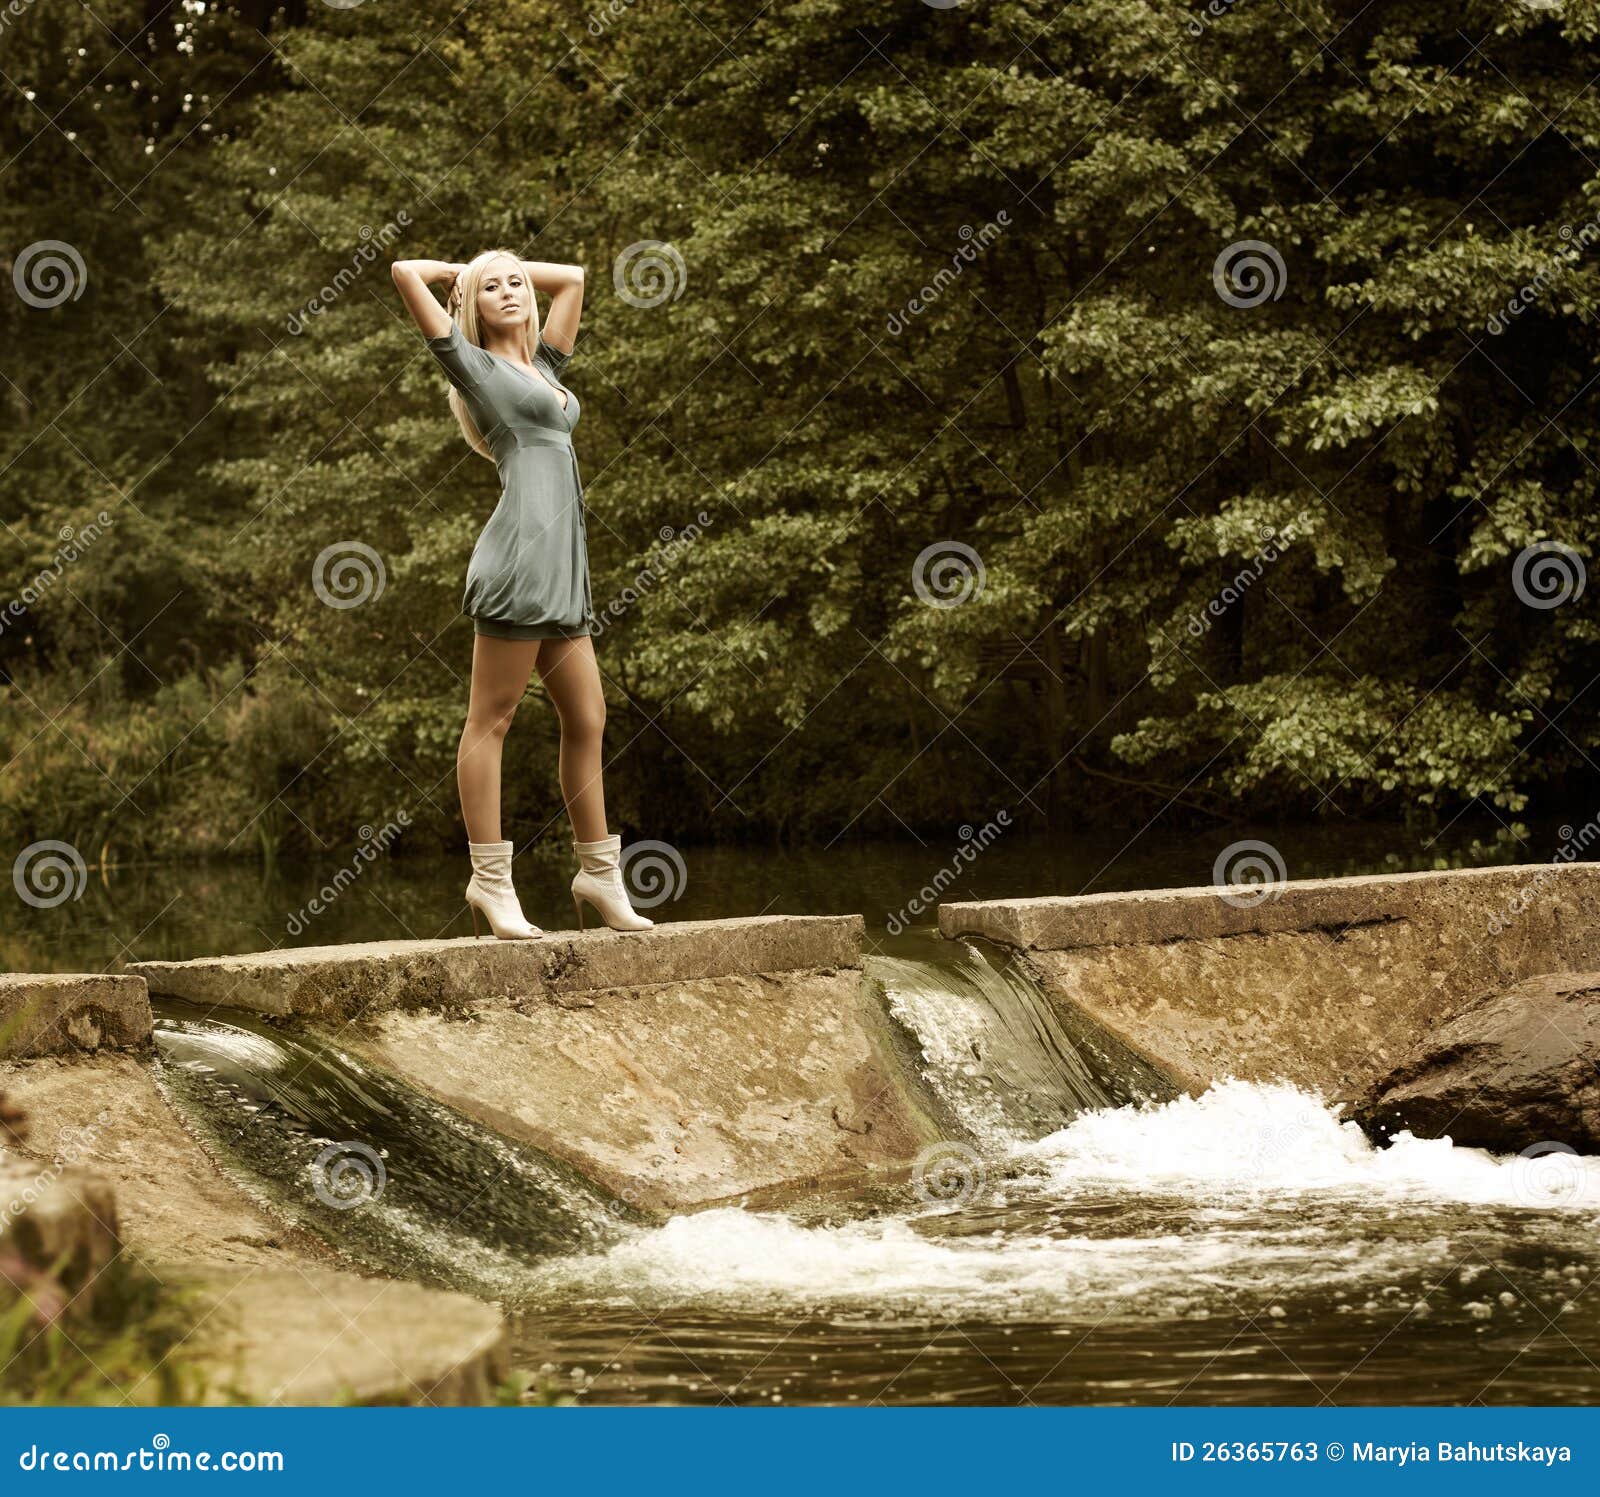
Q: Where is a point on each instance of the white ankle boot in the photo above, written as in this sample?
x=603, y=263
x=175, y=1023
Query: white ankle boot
x=489, y=890
x=600, y=882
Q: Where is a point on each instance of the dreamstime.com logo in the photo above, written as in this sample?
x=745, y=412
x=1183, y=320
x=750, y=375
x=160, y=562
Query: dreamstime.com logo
x=73, y=1147
x=47, y=273
x=947, y=1174
x=347, y=1175
x=1574, y=841
x=159, y=1456
x=1257, y=865
x=649, y=272
x=947, y=574
x=1548, y=574
x=1274, y=541
x=1249, y=272
x=1556, y=1175
x=372, y=844
x=49, y=873
x=674, y=543
x=75, y=540
x=973, y=242
x=929, y=895
x=348, y=574
x=372, y=240
x=654, y=872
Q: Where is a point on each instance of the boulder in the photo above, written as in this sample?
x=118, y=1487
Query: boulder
x=1515, y=1067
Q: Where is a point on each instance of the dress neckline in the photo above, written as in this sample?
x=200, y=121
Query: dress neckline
x=565, y=394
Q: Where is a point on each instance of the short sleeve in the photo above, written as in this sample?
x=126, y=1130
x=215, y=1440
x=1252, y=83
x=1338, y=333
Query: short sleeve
x=465, y=364
x=553, y=357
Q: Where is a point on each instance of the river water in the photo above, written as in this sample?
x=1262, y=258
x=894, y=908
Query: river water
x=1242, y=1247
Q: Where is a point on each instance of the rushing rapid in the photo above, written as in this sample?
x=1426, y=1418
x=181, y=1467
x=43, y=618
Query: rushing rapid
x=1243, y=1246
x=315, y=1134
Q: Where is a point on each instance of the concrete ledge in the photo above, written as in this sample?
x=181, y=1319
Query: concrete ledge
x=339, y=982
x=1324, y=982
x=1154, y=916
x=324, y=1337
x=67, y=1013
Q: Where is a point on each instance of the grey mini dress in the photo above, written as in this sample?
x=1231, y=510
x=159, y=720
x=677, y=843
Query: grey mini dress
x=529, y=573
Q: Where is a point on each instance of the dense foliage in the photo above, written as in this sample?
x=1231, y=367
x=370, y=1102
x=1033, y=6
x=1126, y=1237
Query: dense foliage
x=1085, y=409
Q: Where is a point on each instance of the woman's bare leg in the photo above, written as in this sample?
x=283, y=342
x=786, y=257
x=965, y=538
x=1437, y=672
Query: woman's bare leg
x=569, y=672
x=500, y=671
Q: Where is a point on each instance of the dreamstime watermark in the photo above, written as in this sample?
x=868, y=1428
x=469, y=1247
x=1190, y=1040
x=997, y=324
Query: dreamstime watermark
x=347, y=1175
x=974, y=242
x=947, y=1174
x=657, y=870
x=348, y=574
x=71, y=1148
x=49, y=873
x=649, y=272
x=661, y=561
x=373, y=844
x=49, y=272
x=947, y=574
x=1249, y=272
x=600, y=21
x=74, y=542
x=1548, y=574
x=1554, y=1174
x=929, y=895
x=1273, y=544
x=1278, y=1140
x=372, y=240
x=12, y=11
x=1208, y=15
x=1574, y=841
x=1258, y=866
x=1574, y=242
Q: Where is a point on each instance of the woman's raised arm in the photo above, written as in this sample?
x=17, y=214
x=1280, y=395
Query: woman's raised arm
x=414, y=277
x=563, y=284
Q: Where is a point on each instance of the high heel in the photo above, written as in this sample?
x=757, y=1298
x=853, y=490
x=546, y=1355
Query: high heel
x=599, y=881
x=490, y=892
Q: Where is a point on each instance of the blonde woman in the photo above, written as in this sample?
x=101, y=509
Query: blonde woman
x=527, y=587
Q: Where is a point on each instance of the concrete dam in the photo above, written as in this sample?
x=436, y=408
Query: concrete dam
x=404, y=1167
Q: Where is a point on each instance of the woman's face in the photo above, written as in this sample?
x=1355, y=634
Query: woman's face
x=505, y=299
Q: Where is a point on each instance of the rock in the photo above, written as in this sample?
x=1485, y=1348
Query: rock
x=70, y=1013
x=1516, y=1067
x=318, y=1336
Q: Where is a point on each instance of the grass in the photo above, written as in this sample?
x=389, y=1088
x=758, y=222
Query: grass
x=124, y=1348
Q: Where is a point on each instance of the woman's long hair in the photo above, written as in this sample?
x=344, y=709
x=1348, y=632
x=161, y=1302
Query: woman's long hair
x=466, y=318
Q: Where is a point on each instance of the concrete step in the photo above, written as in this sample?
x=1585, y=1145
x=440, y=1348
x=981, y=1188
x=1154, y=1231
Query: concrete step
x=340, y=982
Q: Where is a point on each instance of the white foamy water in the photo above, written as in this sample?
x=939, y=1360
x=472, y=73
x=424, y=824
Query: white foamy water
x=1243, y=1136
x=1183, y=1213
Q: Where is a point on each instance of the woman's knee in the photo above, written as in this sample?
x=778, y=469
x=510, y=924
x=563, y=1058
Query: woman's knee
x=491, y=719
x=585, y=719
